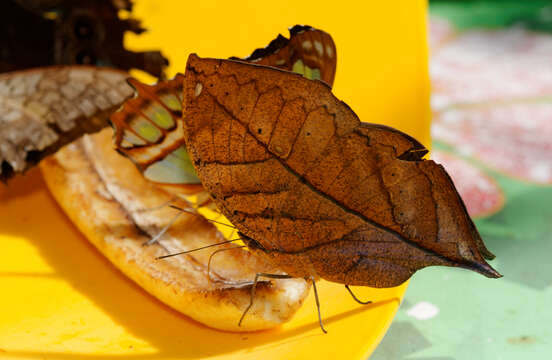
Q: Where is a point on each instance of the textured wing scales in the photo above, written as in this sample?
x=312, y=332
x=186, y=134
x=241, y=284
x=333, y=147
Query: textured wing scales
x=318, y=191
x=43, y=109
x=308, y=51
x=148, y=129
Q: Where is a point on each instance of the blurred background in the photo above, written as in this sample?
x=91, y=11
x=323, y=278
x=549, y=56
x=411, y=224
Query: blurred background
x=491, y=99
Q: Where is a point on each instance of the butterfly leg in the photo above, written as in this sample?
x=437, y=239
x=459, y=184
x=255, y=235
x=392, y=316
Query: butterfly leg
x=356, y=299
x=197, y=249
x=254, y=289
x=224, y=281
x=156, y=238
x=317, y=305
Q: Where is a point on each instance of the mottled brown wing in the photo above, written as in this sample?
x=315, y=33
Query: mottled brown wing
x=45, y=108
x=148, y=129
x=308, y=51
x=323, y=194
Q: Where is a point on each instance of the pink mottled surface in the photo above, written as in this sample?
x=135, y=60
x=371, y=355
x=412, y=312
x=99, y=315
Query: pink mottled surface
x=513, y=138
x=440, y=30
x=480, y=193
x=481, y=66
x=492, y=99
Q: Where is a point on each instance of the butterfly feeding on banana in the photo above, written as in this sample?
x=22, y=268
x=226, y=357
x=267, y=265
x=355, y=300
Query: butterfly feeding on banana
x=306, y=184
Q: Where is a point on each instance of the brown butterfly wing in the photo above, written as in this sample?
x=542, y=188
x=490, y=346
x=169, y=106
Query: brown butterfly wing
x=308, y=51
x=43, y=109
x=147, y=126
x=315, y=189
x=159, y=152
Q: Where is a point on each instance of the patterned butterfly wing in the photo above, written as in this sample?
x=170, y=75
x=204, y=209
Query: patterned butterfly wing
x=149, y=131
x=308, y=51
x=45, y=108
x=148, y=128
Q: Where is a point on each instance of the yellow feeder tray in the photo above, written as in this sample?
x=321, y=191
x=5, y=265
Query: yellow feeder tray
x=61, y=299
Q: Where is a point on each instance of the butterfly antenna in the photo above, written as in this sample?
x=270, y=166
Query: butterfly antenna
x=197, y=214
x=199, y=248
x=156, y=238
x=232, y=233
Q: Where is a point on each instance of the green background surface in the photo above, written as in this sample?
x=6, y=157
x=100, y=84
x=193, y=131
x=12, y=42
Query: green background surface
x=480, y=318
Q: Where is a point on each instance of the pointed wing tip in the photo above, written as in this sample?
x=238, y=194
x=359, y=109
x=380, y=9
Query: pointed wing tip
x=486, y=269
x=494, y=274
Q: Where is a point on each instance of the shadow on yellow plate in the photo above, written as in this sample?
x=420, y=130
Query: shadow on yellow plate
x=63, y=300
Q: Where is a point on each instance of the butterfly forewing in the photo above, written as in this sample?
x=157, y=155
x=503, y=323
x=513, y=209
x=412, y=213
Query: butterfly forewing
x=148, y=129
x=316, y=190
x=43, y=109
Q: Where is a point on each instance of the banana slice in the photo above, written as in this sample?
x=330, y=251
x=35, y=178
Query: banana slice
x=118, y=211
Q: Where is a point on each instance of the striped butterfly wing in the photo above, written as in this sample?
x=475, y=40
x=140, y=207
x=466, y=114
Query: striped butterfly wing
x=308, y=51
x=149, y=129
x=45, y=108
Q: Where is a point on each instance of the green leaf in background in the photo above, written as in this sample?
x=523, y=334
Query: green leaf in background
x=532, y=14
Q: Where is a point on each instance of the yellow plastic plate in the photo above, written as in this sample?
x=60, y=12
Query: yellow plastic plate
x=61, y=299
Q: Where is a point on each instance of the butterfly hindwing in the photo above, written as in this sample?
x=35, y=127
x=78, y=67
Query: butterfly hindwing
x=308, y=51
x=148, y=130
x=45, y=108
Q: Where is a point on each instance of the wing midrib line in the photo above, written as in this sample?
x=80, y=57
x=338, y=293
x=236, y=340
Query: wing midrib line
x=303, y=180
